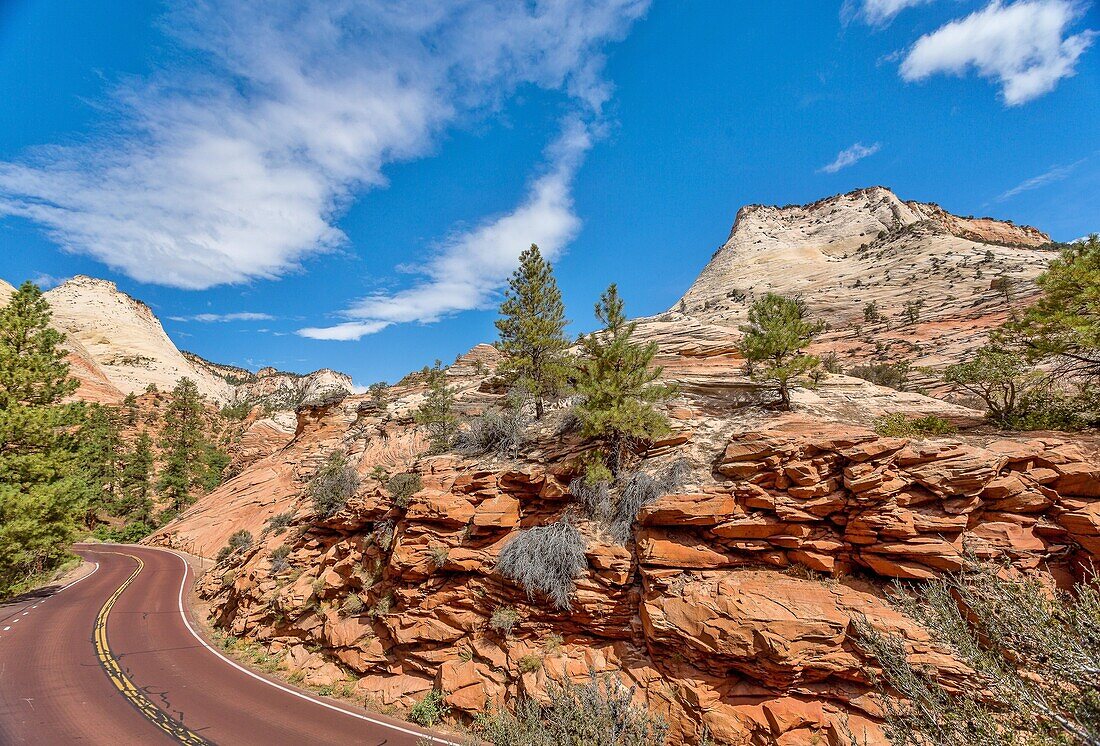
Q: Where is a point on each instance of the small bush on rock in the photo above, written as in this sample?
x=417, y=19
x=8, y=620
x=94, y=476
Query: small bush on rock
x=617, y=509
x=496, y=432
x=279, y=522
x=893, y=375
x=353, y=605
x=239, y=541
x=333, y=485
x=599, y=712
x=403, y=486
x=1034, y=653
x=544, y=560
x=280, y=559
x=429, y=711
x=504, y=619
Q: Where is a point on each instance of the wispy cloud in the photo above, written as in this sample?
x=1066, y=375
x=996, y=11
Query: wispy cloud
x=876, y=12
x=851, y=156
x=236, y=166
x=47, y=281
x=1057, y=173
x=469, y=267
x=1023, y=46
x=221, y=318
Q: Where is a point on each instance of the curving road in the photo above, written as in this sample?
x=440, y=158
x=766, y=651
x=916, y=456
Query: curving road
x=114, y=659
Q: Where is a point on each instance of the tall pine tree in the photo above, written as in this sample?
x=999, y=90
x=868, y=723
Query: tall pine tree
x=136, y=502
x=41, y=495
x=617, y=383
x=100, y=456
x=532, y=330
x=436, y=414
x=183, y=443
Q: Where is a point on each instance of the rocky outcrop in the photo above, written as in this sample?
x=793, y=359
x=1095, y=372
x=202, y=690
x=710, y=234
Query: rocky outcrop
x=125, y=339
x=868, y=246
x=276, y=391
x=730, y=609
x=117, y=346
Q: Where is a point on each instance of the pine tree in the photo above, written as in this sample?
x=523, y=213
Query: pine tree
x=436, y=414
x=135, y=485
x=41, y=497
x=182, y=443
x=617, y=384
x=532, y=330
x=773, y=340
x=100, y=453
x=129, y=410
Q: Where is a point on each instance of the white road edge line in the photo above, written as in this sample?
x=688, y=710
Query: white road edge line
x=299, y=695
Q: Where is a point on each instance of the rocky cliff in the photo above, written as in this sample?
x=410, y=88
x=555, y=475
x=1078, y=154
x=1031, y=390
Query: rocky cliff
x=125, y=339
x=840, y=254
x=730, y=605
x=118, y=346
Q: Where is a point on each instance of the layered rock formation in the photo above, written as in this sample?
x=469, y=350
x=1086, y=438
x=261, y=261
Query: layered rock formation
x=125, y=338
x=868, y=246
x=731, y=606
x=730, y=609
x=117, y=346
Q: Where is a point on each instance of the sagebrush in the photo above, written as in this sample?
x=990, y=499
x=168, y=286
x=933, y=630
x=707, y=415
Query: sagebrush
x=544, y=561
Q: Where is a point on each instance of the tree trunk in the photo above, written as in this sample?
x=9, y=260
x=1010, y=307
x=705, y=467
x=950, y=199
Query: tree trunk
x=538, y=408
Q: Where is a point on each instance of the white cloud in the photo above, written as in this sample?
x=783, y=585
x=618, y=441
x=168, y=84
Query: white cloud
x=1023, y=46
x=876, y=12
x=47, y=281
x=851, y=156
x=235, y=166
x=1057, y=173
x=470, y=267
x=209, y=318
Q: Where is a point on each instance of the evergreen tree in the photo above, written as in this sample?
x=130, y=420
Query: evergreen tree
x=135, y=484
x=1064, y=324
x=773, y=340
x=41, y=497
x=436, y=414
x=617, y=384
x=100, y=453
x=129, y=410
x=183, y=444
x=532, y=330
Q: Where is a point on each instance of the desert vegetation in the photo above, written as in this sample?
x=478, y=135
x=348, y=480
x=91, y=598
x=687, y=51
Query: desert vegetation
x=1034, y=652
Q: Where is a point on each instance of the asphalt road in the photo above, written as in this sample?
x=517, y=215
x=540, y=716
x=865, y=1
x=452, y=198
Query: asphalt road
x=115, y=659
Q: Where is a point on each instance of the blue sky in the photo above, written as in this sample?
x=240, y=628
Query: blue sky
x=345, y=185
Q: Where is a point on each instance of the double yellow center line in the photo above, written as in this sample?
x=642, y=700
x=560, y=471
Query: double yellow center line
x=137, y=697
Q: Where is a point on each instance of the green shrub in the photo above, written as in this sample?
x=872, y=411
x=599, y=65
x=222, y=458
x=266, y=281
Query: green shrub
x=403, y=486
x=279, y=522
x=529, y=663
x=333, y=485
x=239, y=541
x=504, y=619
x=279, y=559
x=429, y=711
x=439, y=555
x=353, y=605
x=600, y=712
x=893, y=375
x=897, y=425
x=496, y=432
x=1033, y=653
